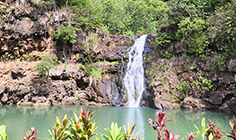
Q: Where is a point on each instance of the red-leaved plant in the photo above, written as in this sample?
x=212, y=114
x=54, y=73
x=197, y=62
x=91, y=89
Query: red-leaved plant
x=31, y=135
x=232, y=134
x=159, y=124
x=169, y=136
x=213, y=130
x=191, y=136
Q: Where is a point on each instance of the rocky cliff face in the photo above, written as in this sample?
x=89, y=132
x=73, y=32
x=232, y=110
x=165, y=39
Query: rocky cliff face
x=26, y=33
x=190, y=82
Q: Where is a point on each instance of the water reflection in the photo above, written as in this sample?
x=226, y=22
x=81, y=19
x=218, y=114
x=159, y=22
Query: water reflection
x=20, y=119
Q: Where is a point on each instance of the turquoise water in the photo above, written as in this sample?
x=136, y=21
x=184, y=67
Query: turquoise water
x=20, y=119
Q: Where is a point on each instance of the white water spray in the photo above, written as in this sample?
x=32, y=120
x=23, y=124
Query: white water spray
x=134, y=77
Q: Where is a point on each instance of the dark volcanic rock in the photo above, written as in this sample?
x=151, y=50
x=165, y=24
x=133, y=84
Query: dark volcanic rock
x=232, y=104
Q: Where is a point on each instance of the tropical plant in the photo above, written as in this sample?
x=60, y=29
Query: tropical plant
x=159, y=124
x=169, y=136
x=204, y=129
x=232, y=134
x=82, y=127
x=3, y=134
x=215, y=132
x=128, y=132
x=202, y=83
x=60, y=130
x=191, y=136
x=31, y=135
x=114, y=131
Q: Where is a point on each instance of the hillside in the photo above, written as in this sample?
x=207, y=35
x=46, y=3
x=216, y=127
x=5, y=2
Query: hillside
x=57, y=52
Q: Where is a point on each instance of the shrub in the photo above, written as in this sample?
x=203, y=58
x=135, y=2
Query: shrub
x=45, y=65
x=115, y=132
x=159, y=124
x=82, y=127
x=202, y=83
x=191, y=32
x=66, y=34
x=222, y=30
x=184, y=88
x=60, y=130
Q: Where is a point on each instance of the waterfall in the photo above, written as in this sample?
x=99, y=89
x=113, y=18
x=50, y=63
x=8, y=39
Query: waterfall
x=134, y=76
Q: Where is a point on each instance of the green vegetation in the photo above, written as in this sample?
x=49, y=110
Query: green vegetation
x=90, y=67
x=45, y=65
x=7, y=56
x=3, y=135
x=118, y=16
x=204, y=129
x=202, y=83
x=184, y=88
x=65, y=35
x=114, y=132
x=200, y=25
x=2, y=15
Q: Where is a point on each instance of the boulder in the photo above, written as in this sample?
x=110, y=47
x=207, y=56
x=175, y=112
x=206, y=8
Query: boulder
x=215, y=98
x=232, y=104
x=193, y=103
x=70, y=101
x=25, y=26
x=232, y=65
x=107, y=89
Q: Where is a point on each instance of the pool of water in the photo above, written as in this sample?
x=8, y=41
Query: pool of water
x=20, y=119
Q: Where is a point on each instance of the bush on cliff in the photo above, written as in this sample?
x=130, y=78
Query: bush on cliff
x=45, y=65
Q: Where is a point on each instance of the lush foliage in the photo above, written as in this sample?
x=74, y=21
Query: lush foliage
x=83, y=127
x=213, y=131
x=66, y=34
x=200, y=25
x=80, y=128
x=118, y=16
x=114, y=132
x=60, y=130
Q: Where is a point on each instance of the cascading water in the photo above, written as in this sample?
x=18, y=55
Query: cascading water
x=134, y=77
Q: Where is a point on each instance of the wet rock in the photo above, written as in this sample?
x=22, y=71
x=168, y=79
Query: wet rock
x=214, y=97
x=4, y=98
x=232, y=65
x=232, y=104
x=107, y=89
x=193, y=103
x=70, y=101
x=39, y=99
